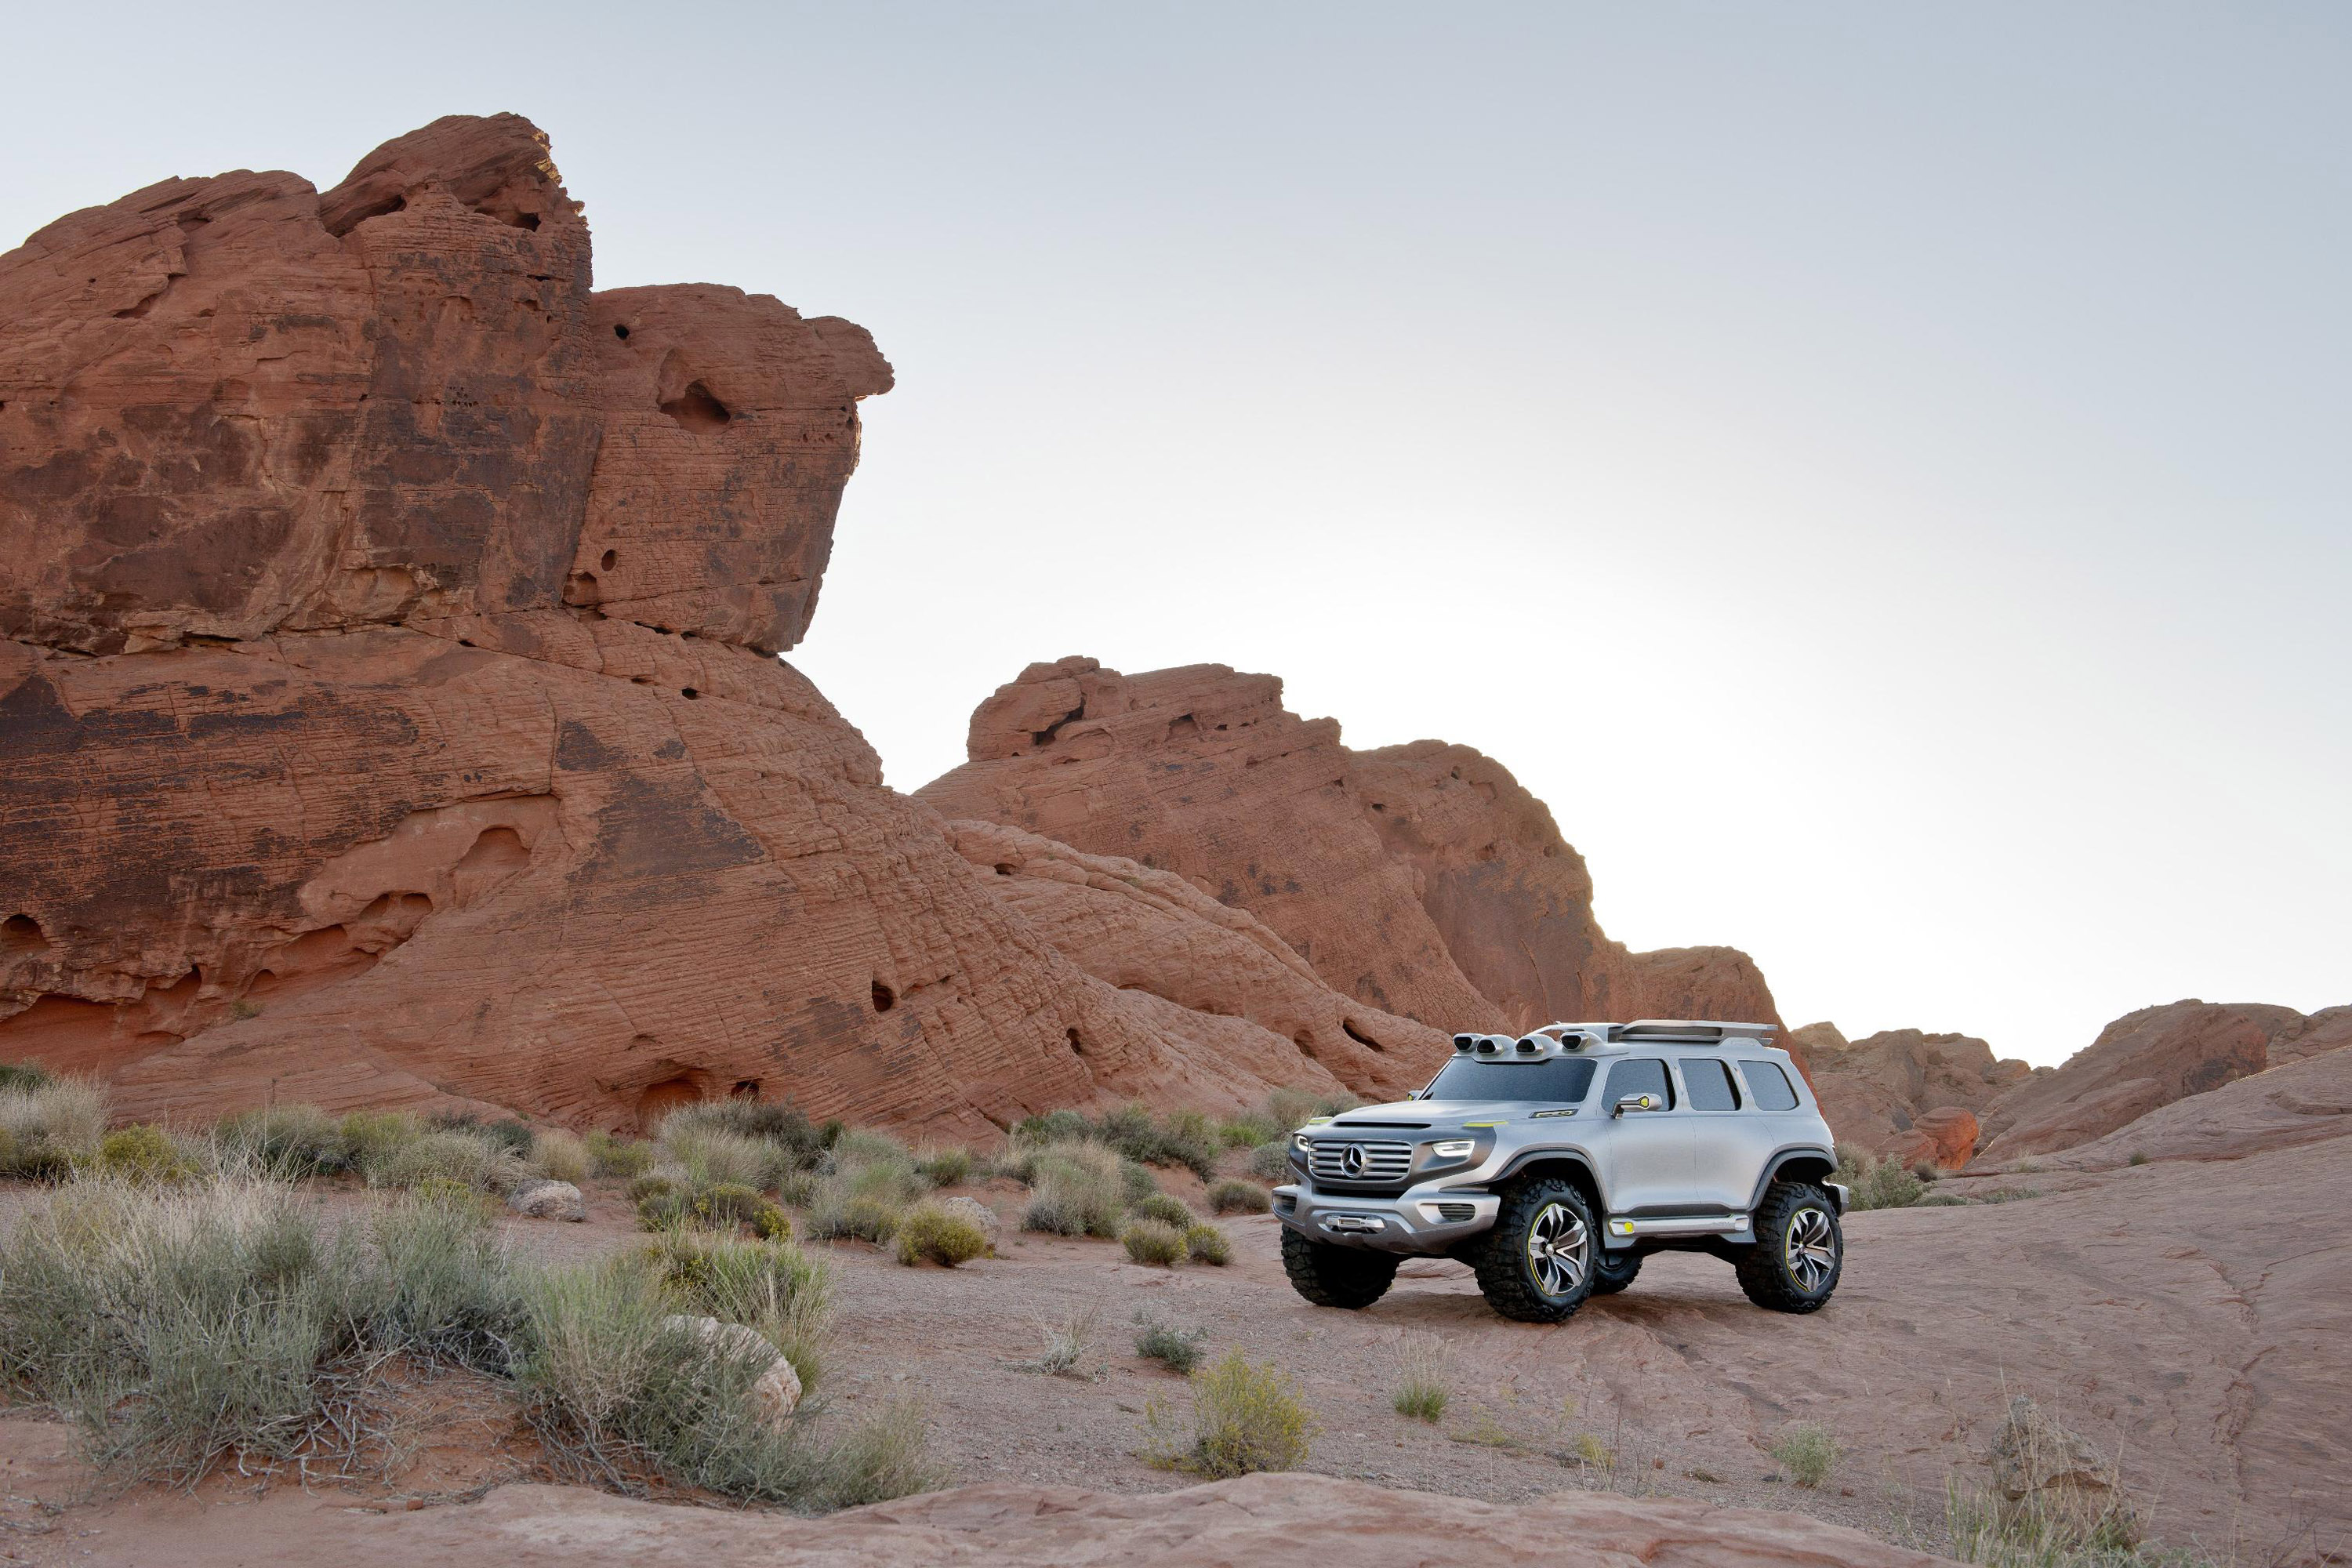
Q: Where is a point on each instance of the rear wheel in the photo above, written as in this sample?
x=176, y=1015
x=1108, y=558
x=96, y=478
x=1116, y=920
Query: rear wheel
x=1536, y=1265
x=1612, y=1271
x=1331, y=1276
x=1799, y=1250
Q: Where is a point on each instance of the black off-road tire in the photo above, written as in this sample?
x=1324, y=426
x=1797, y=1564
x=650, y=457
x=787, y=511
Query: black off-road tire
x=1508, y=1268
x=1783, y=1272
x=1343, y=1277
x=1612, y=1271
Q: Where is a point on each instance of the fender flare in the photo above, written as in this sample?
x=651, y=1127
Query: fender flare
x=1787, y=1155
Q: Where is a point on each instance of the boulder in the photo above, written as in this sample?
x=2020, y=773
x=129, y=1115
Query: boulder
x=1877, y=1092
x=548, y=1200
x=971, y=1208
x=1420, y=880
x=777, y=1393
x=1944, y=1138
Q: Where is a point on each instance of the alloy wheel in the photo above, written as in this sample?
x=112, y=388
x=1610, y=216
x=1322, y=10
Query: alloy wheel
x=1811, y=1249
x=1558, y=1248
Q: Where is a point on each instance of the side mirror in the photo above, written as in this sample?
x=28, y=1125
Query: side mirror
x=1634, y=1102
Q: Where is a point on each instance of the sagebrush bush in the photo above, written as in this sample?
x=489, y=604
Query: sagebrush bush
x=457, y=1154
x=943, y=1166
x=610, y=1155
x=710, y=1156
x=1246, y=1132
x=287, y=1141
x=143, y=1152
x=49, y=1123
x=1053, y=1127
x=1239, y=1197
x=782, y=1127
x=772, y=1286
x=1246, y=1416
x=1807, y=1452
x=367, y=1136
x=1165, y=1208
x=934, y=1232
x=1874, y=1184
x=1176, y=1349
x=560, y=1155
x=504, y=1133
x=1270, y=1161
x=21, y=1075
x=868, y=1184
x=1077, y=1189
x=1204, y=1243
x=1153, y=1242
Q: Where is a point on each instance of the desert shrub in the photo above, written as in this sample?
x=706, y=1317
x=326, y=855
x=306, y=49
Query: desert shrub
x=710, y=1157
x=1246, y=1130
x=1246, y=1416
x=1207, y=1244
x=560, y=1155
x=1053, y=1127
x=1586, y=1449
x=868, y=1182
x=287, y=1142
x=610, y=1155
x=1077, y=1189
x=932, y=1231
x=729, y=1204
x=451, y=1287
x=47, y=1126
x=1270, y=1161
x=1874, y=1184
x=505, y=1133
x=1178, y=1138
x=455, y=1154
x=801, y=1142
x=22, y=1075
x=943, y=1166
x=1287, y=1109
x=366, y=1136
x=655, y=1183
x=1178, y=1350
x=1806, y=1452
x=772, y=1286
x=2138, y=1157
x=1239, y=1197
x=1066, y=1340
x=1926, y=1170
x=142, y=1153
x=1421, y=1379
x=798, y=1189
x=1165, y=1208
x=1154, y=1242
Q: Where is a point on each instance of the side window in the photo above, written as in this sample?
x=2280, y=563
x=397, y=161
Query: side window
x=1767, y=1085
x=1639, y=1075
x=1709, y=1082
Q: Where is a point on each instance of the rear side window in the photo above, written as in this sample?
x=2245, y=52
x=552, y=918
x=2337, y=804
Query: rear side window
x=1709, y=1082
x=1639, y=1075
x=1767, y=1085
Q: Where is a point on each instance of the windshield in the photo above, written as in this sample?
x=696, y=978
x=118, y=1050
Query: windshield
x=1561, y=1080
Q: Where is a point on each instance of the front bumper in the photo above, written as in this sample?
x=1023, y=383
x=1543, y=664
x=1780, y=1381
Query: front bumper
x=1425, y=1221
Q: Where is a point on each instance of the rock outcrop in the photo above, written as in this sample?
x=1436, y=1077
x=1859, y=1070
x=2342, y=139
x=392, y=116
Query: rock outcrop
x=2306, y=1099
x=386, y=712
x=1903, y=1092
x=2146, y=1060
x=1420, y=879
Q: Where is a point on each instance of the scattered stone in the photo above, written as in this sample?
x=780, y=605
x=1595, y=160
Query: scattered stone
x=548, y=1200
x=972, y=1209
x=778, y=1392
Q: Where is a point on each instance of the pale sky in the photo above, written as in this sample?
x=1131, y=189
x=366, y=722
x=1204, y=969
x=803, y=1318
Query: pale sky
x=1880, y=473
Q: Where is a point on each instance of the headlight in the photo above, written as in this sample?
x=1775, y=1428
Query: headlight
x=1299, y=1142
x=1453, y=1149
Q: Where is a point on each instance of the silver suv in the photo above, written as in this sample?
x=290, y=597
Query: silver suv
x=1553, y=1164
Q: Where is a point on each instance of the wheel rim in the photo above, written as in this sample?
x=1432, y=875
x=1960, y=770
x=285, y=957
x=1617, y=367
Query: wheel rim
x=1812, y=1249
x=1558, y=1245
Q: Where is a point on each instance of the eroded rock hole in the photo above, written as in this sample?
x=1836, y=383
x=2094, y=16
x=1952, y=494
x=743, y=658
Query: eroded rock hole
x=620, y=331
x=1184, y=724
x=745, y=1089
x=1361, y=1038
x=383, y=209
x=696, y=409
x=1004, y=867
x=690, y=693
x=1045, y=737
x=884, y=997
x=22, y=933
x=606, y=560
x=1077, y=1046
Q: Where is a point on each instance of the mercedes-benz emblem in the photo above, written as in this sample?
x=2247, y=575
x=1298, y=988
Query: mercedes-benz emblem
x=1352, y=1162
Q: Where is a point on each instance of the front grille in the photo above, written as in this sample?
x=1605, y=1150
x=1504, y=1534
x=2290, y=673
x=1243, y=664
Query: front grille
x=1377, y=1165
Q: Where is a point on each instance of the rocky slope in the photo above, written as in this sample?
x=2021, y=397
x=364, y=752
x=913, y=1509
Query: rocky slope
x=1905, y=1093
x=387, y=707
x=1421, y=879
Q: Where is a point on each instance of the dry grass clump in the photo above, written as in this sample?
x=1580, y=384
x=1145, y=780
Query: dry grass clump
x=464, y=1155
x=46, y=1124
x=866, y=1185
x=1066, y=1341
x=560, y=1155
x=802, y=1142
x=1165, y=1208
x=1421, y=1393
x=944, y=1164
x=1153, y=1242
x=1178, y=1138
x=1280, y=1114
x=1807, y=1452
x=1078, y=1188
x=1205, y=1243
x=771, y=1286
x=1270, y=1161
x=1178, y=1350
x=1246, y=1416
x=611, y=1155
x=1239, y=1197
x=932, y=1232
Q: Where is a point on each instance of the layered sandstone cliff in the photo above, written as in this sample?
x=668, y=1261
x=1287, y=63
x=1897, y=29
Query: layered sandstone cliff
x=1420, y=879
x=1905, y=1093
x=387, y=712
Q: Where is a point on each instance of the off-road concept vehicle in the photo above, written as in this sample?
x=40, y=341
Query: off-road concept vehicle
x=1553, y=1164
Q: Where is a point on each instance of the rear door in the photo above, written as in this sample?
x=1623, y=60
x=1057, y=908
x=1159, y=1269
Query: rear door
x=1646, y=1162
x=1730, y=1139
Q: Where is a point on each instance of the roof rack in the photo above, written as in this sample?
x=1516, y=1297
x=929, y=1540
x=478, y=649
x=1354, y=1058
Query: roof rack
x=1691, y=1031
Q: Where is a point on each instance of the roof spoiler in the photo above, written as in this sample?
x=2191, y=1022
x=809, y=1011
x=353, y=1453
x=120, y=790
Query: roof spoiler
x=1692, y=1031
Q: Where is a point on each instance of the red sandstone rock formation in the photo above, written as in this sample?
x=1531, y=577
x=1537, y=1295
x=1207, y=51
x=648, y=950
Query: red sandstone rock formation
x=1420, y=879
x=383, y=715
x=2144, y=1060
x=1880, y=1092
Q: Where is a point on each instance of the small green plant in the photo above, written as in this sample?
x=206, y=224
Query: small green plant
x=1165, y=1208
x=1874, y=1184
x=1204, y=1243
x=142, y=1153
x=1178, y=1350
x=1239, y=1197
x=1270, y=1161
x=1153, y=1242
x=1806, y=1452
x=943, y=1166
x=2138, y=1157
x=1421, y=1379
x=1246, y=1416
x=934, y=1232
x=22, y=1075
x=1590, y=1451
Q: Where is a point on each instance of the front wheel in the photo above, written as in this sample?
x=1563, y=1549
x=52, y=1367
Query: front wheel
x=1612, y=1271
x=1331, y=1276
x=1799, y=1253
x=1537, y=1266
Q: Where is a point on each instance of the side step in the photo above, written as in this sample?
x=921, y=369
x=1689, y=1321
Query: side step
x=1680, y=1225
